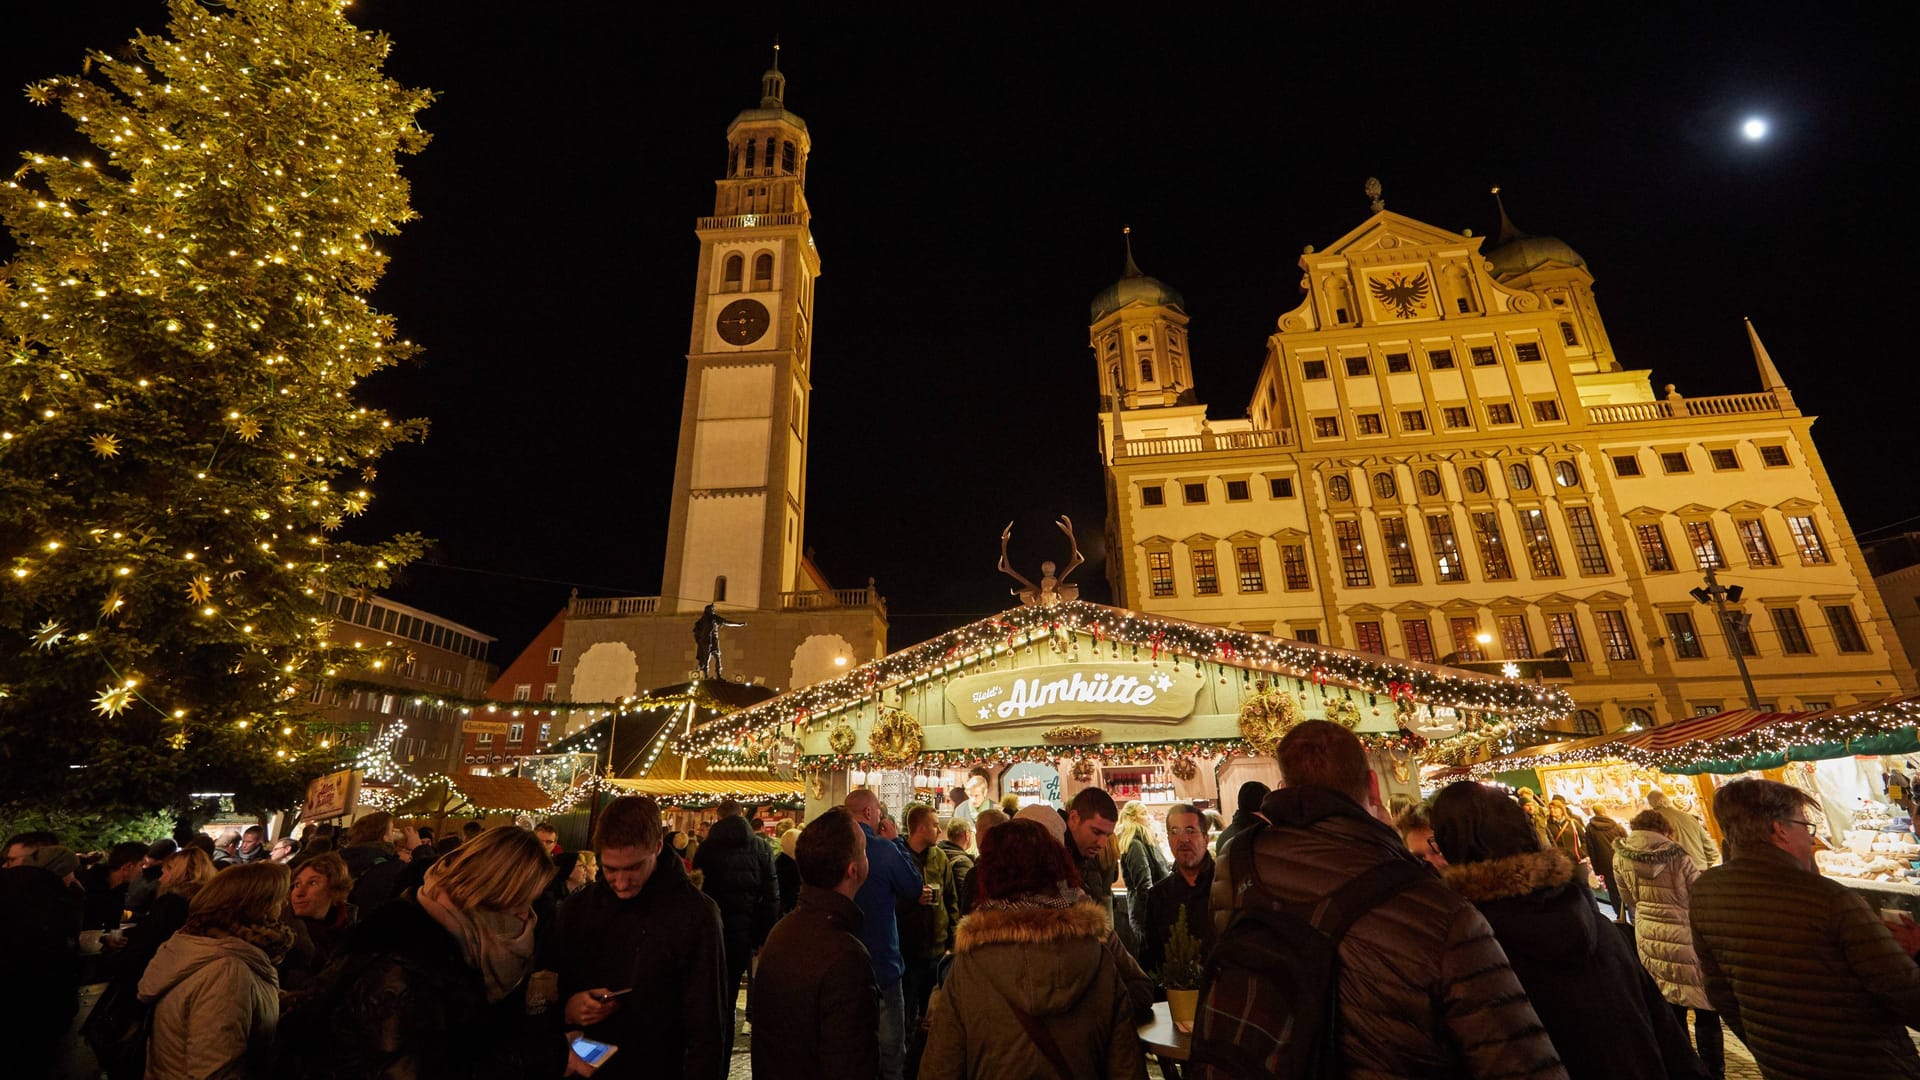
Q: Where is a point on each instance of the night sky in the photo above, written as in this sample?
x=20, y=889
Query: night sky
x=970, y=178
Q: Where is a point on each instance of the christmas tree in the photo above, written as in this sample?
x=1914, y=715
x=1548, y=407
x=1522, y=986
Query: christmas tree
x=185, y=319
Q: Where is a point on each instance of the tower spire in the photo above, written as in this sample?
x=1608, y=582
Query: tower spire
x=773, y=85
x=1769, y=374
x=1133, y=268
x=1508, y=230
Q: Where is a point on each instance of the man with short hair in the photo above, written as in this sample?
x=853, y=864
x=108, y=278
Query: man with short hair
x=21, y=845
x=958, y=841
x=1090, y=821
x=892, y=878
x=145, y=886
x=106, y=885
x=1692, y=836
x=1798, y=966
x=226, y=850
x=471, y=830
x=642, y=927
x=1186, y=889
x=1246, y=813
x=978, y=784
x=1425, y=989
x=814, y=1007
x=926, y=922
x=549, y=837
x=737, y=875
x=253, y=844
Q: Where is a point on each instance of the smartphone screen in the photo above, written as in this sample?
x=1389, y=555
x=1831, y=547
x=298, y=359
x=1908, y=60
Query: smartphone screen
x=591, y=1052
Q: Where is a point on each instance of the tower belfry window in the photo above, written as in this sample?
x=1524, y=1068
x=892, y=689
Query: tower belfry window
x=769, y=153
x=1146, y=369
x=787, y=157
x=762, y=272
x=730, y=278
x=751, y=147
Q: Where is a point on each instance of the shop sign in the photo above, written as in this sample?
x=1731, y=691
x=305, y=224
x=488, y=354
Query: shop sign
x=330, y=796
x=484, y=727
x=1034, y=695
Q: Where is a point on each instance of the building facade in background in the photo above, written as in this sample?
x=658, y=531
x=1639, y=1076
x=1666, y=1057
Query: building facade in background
x=493, y=741
x=1444, y=460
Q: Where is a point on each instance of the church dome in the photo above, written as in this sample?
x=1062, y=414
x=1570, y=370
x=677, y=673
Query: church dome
x=1523, y=253
x=1135, y=286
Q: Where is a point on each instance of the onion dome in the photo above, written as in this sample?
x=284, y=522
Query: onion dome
x=1517, y=252
x=1135, y=286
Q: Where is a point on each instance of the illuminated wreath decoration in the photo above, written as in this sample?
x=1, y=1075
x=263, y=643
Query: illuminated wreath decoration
x=841, y=739
x=895, y=738
x=1266, y=718
x=1343, y=712
x=1083, y=769
x=1071, y=733
x=1185, y=769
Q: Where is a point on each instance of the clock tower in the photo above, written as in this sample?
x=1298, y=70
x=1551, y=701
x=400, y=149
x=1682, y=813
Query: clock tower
x=739, y=501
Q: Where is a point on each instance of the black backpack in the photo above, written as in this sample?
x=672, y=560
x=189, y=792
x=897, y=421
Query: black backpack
x=1269, y=997
x=117, y=1029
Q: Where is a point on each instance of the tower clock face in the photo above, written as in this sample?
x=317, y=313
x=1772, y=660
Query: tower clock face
x=742, y=322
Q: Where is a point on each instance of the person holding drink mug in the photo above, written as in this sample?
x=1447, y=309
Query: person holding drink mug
x=926, y=924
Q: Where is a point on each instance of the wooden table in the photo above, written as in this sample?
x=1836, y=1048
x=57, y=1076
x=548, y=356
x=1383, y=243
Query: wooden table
x=1160, y=1038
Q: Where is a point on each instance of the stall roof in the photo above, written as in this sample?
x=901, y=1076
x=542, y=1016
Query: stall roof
x=740, y=789
x=1886, y=726
x=624, y=739
x=502, y=793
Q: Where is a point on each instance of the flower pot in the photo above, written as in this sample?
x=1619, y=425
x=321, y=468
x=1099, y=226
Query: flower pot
x=1181, y=1003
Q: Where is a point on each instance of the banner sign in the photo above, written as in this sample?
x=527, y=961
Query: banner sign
x=331, y=796
x=483, y=727
x=1038, y=695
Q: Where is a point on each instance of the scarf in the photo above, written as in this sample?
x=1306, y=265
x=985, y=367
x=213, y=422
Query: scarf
x=502, y=961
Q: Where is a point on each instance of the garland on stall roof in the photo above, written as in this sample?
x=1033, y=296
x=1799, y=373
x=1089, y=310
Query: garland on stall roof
x=636, y=703
x=1139, y=753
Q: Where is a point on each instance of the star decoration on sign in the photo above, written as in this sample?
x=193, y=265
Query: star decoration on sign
x=113, y=700
x=1162, y=681
x=1510, y=669
x=104, y=446
x=985, y=712
x=48, y=634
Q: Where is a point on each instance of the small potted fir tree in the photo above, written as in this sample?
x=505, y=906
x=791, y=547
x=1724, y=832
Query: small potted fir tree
x=1180, y=970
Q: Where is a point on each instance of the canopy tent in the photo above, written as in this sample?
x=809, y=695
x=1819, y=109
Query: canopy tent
x=1876, y=727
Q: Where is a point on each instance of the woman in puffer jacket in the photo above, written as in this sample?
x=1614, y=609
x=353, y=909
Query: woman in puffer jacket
x=215, y=994
x=1656, y=884
x=1605, y=1016
x=1034, y=979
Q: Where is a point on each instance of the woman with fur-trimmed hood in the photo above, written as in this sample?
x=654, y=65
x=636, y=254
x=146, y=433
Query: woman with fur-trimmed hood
x=1605, y=1015
x=1034, y=976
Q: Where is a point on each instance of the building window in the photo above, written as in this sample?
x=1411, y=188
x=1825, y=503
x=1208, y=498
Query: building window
x=1539, y=540
x=1566, y=474
x=1686, y=643
x=1564, y=631
x=1706, y=547
x=1280, y=487
x=1456, y=416
x=762, y=272
x=1430, y=482
x=1483, y=356
x=1400, y=566
x=1293, y=567
x=1151, y=495
x=1722, y=460
x=1357, y=365
x=546, y=733
x=1587, y=549
x=1246, y=561
x=1237, y=491
x=1815, y=706
x=1307, y=634
x=553, y=656
x=1793, y=635
x=1353, y=553
x=720, y=589
x=1413, y=420
x=1500, y=412
x=1754, y=541
x=1368, y=638
x=1340, y=488
x=1206, y=573
x=1773, y=457
x=1493, y=553
x=1526, y=352
x=1160, y=572
x=1384, y=486
x=1567, y=336
x=1419, y=638
x=1637, y=719
x=1466, y=637
x=1846, y=631
x=1653, y=547
x=1522, y=476
x=1399, y=361
x=1146, y=369
x=548, y=691
x=1313, y=369
x=1194, y=493
x=1739, y=627
x=736, y=268
x=1626, y=465
x=1615, y=635
x=788, y=159
x=1546, y=411
x=1474, y=478
x=523, y=692
x=1326, y=427
x=516, y=732
x=1806, y=540
x=1370, y=423
x=1708, y=708
x=1675, y=461
x=1586, y=721
x=485, y=738
x=1448, y=566
x=1516, y=642
x=1440, y=359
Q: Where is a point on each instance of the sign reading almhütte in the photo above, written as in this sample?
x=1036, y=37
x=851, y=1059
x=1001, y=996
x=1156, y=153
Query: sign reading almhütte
x=1036, y=695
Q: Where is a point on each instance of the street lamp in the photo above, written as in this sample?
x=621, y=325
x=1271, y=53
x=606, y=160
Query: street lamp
x=1716, y=595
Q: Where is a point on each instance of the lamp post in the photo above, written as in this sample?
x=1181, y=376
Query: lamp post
x=1716, y=595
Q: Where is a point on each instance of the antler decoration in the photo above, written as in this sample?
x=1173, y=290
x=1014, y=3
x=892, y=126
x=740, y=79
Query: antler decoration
x=1065, y=525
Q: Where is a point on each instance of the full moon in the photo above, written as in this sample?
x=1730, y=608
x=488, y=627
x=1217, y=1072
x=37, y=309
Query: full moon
x=1754, y=129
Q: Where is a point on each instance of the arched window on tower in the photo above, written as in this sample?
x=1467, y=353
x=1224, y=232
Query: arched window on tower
x=720, y=589
x=788, y=158
x=762, y=272
x=1567, y=335
x=770, y=142
x=1146, y=369
x=730, y=278
x=751, y=146
x=733, y=161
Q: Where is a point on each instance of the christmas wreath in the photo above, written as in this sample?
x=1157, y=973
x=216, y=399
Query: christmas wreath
x=1267, y=717
x=1083, y=769
x=1343, y=712
x=1184, y=769
x=841, y=739
x=895, y=738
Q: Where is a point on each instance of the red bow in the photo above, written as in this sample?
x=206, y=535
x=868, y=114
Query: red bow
x=1400, y=691
x=1227, y=651
x=1319, y=676
x=1158, y=637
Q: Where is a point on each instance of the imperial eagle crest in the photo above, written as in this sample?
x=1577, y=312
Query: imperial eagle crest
x=1402, y=295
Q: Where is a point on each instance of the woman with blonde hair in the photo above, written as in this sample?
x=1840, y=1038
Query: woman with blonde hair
x=1141, y=864
x=428, y=985
x=215, y=995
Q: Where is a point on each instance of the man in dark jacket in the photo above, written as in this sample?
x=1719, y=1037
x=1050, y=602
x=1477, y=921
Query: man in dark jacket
x=1090, y=822
x=106, y=884
x=891, y=878
x=1602, y=833
x=926, y=928
x=815, y=1009
x=372, y=861
x=1798, y=966
x=1246, y=813
x=1186, y=889
x=39, y=928
x=960, y=862
x=643, y=927
x=737, y=875
x=1425, y=990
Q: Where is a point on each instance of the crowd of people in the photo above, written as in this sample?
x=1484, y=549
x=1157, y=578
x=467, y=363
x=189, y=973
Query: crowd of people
x=980, y=942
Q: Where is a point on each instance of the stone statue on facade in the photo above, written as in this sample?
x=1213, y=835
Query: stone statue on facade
x=706, y=641
x=1052, y=589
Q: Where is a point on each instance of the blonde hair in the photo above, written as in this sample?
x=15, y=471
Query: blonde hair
x=588, y=860
x=1134, y=821
x=247, y=895
x=789, y=841
x=502, y=869
x=192, y=869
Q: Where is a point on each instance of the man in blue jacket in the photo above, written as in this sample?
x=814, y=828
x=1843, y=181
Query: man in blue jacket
x=891, y=878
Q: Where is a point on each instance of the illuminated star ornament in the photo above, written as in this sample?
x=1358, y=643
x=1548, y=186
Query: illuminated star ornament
x=247, y=428
x=113, y=700
x=48, y=634
x=1510, y=669
x=105, y=446
x=1754, y=128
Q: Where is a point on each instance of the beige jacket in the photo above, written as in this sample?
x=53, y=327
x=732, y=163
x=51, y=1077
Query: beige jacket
x=1655, y=877
x=217, y=1004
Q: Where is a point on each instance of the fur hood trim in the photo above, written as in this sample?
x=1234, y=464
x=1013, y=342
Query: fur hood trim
x=1649, y=848
x=1024, y=925
x=1515, y=875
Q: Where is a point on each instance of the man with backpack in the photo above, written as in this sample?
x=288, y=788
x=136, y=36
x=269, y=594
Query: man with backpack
x=1330, y=930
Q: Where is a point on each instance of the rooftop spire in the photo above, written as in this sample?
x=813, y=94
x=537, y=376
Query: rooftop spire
x=773, y=85
x=1133, y=268
x=1508, y=230
x=1769, y=375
